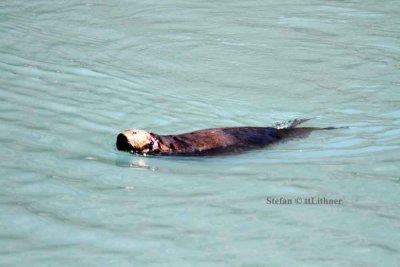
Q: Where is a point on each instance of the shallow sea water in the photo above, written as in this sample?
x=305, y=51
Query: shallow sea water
x=75, y=73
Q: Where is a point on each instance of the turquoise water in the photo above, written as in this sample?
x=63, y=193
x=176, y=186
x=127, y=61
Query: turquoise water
x=73, y=74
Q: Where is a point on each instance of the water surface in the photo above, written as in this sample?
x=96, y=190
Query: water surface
x=73, y=74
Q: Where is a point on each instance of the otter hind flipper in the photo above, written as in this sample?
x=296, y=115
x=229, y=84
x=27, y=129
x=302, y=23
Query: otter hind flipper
x=290, y=123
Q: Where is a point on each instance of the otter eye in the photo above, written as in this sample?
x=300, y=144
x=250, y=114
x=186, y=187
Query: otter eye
x=148, y=146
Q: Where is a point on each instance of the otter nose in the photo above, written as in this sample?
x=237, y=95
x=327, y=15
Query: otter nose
x=122, y=143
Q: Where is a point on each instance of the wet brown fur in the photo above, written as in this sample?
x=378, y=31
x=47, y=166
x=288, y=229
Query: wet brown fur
x=206, y=142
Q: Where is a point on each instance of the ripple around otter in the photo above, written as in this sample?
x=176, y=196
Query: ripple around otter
x=74, y=74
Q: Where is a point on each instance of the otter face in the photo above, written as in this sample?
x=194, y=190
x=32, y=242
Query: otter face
x=138, y=141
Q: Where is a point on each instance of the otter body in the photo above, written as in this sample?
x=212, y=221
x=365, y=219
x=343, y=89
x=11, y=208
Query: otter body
x=209, y=141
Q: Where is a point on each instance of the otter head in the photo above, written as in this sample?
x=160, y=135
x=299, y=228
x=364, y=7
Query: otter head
x=137, y=141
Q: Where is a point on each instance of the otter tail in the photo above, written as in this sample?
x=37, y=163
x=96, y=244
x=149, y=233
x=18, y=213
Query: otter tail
x=288, y=129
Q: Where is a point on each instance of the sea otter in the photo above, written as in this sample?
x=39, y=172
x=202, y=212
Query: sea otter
x=210, y=141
